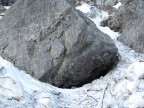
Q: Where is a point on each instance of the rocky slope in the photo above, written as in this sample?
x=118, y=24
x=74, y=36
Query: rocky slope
x=128, y=19
x=133, y=34
x=123, y=87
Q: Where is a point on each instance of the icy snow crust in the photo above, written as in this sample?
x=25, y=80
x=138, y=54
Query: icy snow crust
x=121, y=87
x=117, y=5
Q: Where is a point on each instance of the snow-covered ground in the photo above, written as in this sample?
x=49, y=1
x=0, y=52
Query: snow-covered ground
x=7, y=7
x=121, y=87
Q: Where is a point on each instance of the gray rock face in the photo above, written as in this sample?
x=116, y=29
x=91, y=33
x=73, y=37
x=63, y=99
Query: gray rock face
x=133, y=24
x=7, y=2
x=55, y=43
x=114, y=22
x=105, y=5
x=106, y=2
x=2, y=9
x=96, y=2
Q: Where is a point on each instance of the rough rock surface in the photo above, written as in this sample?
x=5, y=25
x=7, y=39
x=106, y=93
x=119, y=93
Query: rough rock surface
x=55, y=43
x=133, y=24
x=7, y=2
x=2, y=9
x=114, y=22
x=106, y=2
x=94, y=2
x=106, y=5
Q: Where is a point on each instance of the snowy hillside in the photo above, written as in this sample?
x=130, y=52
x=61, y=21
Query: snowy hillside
x=121, y=87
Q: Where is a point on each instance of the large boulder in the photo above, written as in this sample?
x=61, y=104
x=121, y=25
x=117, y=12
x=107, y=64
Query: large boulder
x=55, y=43
x=133, y=24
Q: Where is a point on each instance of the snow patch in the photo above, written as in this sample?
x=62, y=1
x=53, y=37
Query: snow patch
x=10, y=88
x=136, y=100
x=85, y=8
x=117, y=5
x=102, y=15
x=7, y=7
